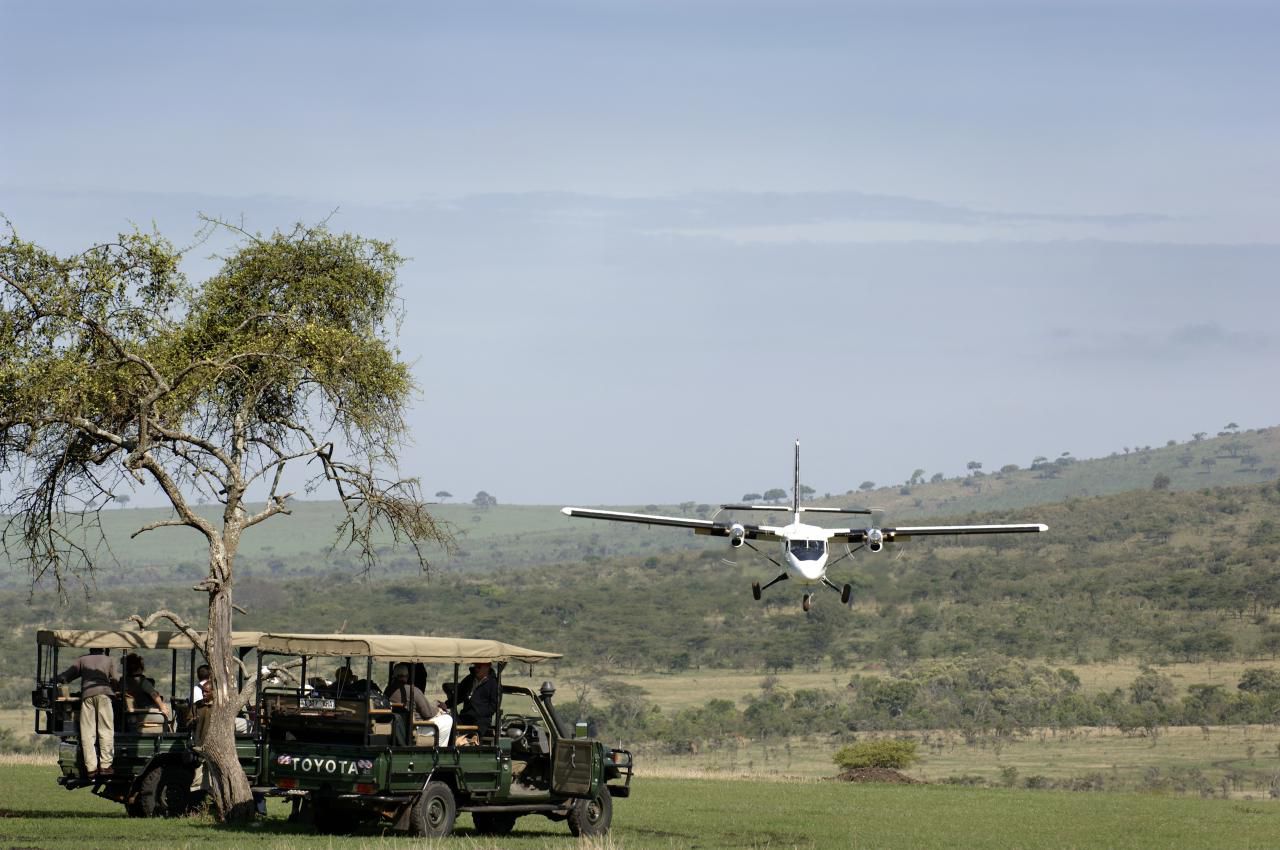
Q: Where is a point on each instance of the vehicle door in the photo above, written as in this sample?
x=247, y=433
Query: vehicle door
x=573, y=766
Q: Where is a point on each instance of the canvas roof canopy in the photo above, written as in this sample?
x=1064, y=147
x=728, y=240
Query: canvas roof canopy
x=429, y=650
x=125, y=639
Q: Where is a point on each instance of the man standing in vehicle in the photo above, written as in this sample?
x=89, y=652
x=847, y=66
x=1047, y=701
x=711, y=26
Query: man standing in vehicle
x=99, y=677
x=482, y=702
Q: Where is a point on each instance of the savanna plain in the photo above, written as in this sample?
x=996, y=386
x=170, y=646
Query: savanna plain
x=1112, y=684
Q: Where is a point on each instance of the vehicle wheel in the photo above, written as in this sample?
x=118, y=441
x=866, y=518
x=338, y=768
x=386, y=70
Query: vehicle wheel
x=755, y=590
x=435, y=811
x=174, y=794
x=494, y=823
x=591, y=816
x=147, y=803
x=808, y=601
x=846, y=594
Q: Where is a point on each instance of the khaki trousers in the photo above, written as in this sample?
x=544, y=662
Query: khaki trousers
x=97, y=732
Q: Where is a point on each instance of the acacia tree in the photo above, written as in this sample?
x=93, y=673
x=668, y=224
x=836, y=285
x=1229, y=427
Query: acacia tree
x=115, y=371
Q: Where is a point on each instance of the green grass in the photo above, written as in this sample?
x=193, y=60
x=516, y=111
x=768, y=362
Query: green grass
x=1186, y=758
x=670, y=813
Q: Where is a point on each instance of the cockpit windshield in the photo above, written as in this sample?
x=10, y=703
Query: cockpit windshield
x=808, y=550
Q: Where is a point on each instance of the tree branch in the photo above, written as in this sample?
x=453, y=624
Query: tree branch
x=197, y=639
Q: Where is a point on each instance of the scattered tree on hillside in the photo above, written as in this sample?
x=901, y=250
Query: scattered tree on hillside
x=484, y=501
x=777, y=494
x=122, y=499
x=1199, y=435
x=867, y=485
x=1231, y=427
x=1161, y=482
x=973, y=466
x=917, y=477
x=115, y=372
x=444, y=495
x=806, y=491
x=937, y=478
x=751, y=497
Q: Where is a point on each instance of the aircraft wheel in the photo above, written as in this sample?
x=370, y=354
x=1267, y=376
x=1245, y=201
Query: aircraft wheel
x=846, y=594
x=808, y=601
x=755, y=590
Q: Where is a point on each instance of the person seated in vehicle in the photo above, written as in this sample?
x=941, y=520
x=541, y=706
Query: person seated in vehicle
x=480, y=704
x=345, y=684
x=140, y=690
x=455, y=694
x=99, y=677
x=400, y=690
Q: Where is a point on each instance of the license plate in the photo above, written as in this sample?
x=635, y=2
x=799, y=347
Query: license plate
x=315, y=702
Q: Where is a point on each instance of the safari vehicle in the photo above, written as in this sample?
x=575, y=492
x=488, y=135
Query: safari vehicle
x=155, y=763
x=359, y=759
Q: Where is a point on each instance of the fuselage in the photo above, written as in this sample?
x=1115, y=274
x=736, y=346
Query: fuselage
x=806, y=551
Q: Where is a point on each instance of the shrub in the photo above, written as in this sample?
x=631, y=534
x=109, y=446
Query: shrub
x=885, y=753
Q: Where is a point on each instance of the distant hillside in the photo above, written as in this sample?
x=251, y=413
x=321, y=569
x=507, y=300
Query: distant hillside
x=509, y=536
x=1221, y=461
x=1158, y=576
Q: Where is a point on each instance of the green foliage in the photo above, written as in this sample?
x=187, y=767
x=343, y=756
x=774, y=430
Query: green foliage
x=113, y=368
x=895, y=754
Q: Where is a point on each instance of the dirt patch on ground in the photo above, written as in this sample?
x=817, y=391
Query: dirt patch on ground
x=877, y=774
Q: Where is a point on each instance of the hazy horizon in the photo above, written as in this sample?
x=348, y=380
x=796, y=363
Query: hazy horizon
x=651, y=244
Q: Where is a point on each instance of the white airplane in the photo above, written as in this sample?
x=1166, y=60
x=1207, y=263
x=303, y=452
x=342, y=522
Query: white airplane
x=805, y=548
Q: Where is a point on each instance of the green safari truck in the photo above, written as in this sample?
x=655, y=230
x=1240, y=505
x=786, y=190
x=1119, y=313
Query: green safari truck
x=155, y=769
x=354, y=758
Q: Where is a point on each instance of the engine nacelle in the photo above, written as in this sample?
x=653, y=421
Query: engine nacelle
x=736, y=534
x=875, y=540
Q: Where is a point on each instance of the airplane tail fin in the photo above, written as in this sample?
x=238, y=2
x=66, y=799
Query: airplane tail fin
x=795, y=492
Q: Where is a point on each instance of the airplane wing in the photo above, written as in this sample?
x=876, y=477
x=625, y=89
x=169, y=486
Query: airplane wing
x=858, y=535
x=788, y=509
x=699, y=526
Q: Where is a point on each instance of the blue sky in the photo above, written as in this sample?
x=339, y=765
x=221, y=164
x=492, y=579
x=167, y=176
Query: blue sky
x=652, y=242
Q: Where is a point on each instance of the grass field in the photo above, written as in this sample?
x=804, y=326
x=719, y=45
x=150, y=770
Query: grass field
x=673, y=813
x=675, y=691
x=1179, y=760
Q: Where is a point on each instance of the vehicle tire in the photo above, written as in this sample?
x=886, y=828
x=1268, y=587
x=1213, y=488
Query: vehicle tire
x=434, y=813
x=174, y=795
x=755, y=590
x=147, y=803
x=494, y=823
x=592, y=815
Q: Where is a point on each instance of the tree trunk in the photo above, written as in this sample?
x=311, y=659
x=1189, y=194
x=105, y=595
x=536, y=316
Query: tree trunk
x=232, y=799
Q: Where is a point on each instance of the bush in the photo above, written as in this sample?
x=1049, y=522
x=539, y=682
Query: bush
x=885, y=753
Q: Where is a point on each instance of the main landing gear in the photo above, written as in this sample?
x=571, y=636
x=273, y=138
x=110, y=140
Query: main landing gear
x=846, y=592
